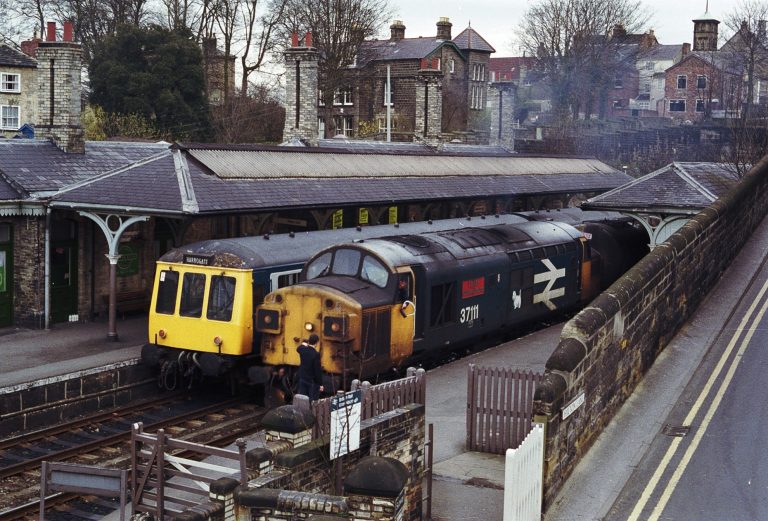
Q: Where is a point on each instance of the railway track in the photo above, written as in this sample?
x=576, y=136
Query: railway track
x=103, y=440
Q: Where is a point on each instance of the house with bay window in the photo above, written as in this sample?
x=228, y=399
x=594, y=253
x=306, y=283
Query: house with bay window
x=18, y=90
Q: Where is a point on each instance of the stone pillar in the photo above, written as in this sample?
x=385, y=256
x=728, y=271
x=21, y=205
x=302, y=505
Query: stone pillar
x=429, y=104
x=375, y=487
x=301, y=91
x=289, y=423
x=501, y=103
x=59, y=103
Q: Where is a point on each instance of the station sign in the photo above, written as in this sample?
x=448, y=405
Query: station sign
x=198, y=260
x=346, y=413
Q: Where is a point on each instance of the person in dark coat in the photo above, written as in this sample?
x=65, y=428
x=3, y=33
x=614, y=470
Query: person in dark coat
x=310, y=372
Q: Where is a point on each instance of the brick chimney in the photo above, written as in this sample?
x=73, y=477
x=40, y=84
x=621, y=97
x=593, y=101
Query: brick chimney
x=686, y=48
x=397, y=31
x=29, y=47
x=444, y=28
x=301, y=90
x=59, y=70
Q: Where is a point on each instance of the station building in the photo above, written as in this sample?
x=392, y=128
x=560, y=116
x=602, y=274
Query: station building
x=72, y=211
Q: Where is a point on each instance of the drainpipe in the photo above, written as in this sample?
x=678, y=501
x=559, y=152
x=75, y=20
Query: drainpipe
x=47, y=264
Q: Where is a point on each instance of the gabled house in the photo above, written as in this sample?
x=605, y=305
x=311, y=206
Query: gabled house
x=651, y=66
x=18, y=90
x=457, y=67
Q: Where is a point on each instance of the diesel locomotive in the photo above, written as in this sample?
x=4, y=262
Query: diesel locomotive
x=203, y=314
x=378, y=303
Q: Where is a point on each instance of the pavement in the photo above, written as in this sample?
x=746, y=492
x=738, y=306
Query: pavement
x=467, y=485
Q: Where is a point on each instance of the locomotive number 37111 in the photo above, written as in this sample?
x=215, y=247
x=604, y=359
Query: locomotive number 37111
x=469, y=313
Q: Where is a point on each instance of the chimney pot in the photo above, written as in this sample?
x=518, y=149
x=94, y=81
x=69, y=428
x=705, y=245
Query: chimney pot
x=294, y=39
x=397, y=30
x=308, y=39
x=68, y=31
x=50, y=32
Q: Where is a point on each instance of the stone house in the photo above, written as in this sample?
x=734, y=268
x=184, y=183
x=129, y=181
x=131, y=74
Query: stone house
x=219, y=72
x=18, y=90
x=457, y=67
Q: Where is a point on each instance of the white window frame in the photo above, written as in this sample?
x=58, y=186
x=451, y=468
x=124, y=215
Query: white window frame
x=347, y=126
x=10, y=82
x=683, y=77
x=5, y=117
x=452, y=68
x=706, y=81
x=343, y=96
x=701, y=103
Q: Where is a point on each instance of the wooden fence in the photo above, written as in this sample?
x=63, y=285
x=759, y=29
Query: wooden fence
x=377, y=399
x=163, y=483
x=499, y=407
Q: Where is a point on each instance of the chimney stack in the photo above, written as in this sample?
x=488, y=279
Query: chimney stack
x=301, y=91
x=444, y=28
x=59, y=87
x=29, y=47
x=397, y=31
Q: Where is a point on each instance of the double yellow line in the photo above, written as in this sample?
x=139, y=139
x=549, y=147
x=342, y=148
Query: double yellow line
x=745, y=334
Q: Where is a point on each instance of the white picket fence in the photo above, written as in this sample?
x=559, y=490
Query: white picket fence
x=523, y=475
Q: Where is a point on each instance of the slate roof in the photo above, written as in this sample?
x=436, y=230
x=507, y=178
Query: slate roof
x=158, y=179
x=13, y=58
x=675, y=188
x=510, y=66
x=469, y=39
x=41, y=168
x=404, y=49
x=661, y=52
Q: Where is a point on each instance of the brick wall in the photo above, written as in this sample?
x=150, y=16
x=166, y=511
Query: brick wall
x=606, y=349
x=398, y=434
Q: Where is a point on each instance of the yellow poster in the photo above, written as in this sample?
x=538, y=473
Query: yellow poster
x=362, y=217
x=392, y=214
x=338, y=219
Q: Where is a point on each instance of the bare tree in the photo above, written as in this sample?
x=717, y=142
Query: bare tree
x=578, y=51
x=261, y=35
x=743, y=62
x=338, y=29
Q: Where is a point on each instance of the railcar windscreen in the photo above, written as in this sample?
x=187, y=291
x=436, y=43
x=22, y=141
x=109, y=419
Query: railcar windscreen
x=166, y=292
x=221, y=298
x=192, y=292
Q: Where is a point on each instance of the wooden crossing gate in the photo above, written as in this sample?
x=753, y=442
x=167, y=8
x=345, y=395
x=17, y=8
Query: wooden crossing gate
x=499, y=407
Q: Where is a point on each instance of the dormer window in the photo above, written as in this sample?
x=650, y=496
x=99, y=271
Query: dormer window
x=10, y=82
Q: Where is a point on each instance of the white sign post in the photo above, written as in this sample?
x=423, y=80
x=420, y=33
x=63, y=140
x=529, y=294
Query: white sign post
x=346, y=411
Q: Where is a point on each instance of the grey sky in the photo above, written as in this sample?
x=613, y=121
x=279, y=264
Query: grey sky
x=498, y=20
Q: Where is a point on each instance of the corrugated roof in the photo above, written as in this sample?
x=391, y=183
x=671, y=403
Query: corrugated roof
x=236, y=164
x=682, y=186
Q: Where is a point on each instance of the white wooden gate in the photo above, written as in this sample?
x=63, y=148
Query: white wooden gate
x=523, y=476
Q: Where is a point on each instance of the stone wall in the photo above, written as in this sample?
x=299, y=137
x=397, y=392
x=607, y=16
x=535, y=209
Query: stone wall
x=301, y=91
x=606, y=349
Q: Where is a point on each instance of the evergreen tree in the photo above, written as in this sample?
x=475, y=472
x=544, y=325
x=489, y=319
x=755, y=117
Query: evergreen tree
x=156, y=74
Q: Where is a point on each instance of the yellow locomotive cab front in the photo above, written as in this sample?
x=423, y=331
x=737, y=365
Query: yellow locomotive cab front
x=290, y=315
